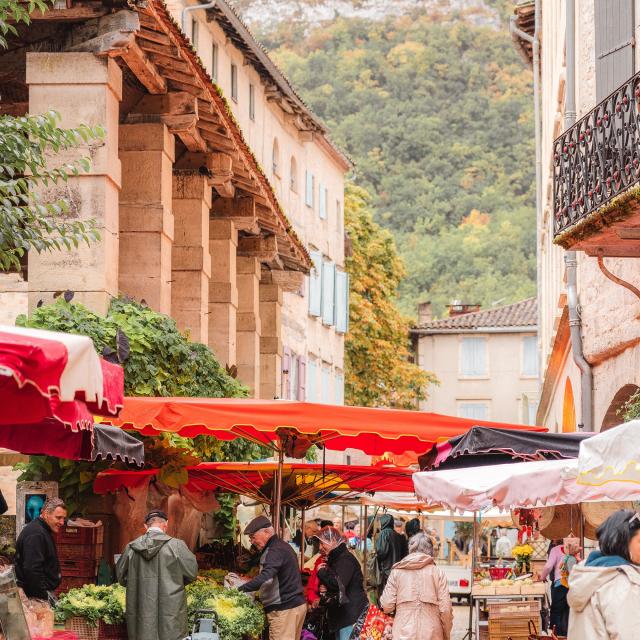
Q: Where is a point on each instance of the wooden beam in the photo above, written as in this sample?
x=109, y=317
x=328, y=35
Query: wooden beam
x=186, y=128
x=154, y=36
x=74, y=14
x=290, y=281
x=241, y=210
x=265, y=248
x=144, y=69
x=221, y=167
x=15, y=109
x=155, y=47
x=178, y=85
x=170, y=103
x=112, y=44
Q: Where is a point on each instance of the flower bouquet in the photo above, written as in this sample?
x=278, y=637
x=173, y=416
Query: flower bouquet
x=522, y=553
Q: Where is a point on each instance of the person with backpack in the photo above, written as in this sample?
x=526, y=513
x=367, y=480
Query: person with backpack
x=390, y=548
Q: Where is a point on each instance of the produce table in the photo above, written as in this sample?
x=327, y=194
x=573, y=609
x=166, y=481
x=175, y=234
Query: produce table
x=476, y=600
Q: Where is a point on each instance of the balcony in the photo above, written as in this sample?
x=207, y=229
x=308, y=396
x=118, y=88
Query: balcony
x=596, y=178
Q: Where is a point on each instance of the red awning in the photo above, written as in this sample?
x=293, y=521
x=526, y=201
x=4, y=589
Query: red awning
x=303, y=485
x=374, y=431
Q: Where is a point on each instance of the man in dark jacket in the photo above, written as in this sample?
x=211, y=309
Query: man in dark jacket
x=391, y=547
x=155, y=569
x=37, y=566
x=342, y=577
x=279, y=582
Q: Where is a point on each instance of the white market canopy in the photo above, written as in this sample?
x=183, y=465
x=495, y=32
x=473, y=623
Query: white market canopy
x=507, y=486
x=611, y=456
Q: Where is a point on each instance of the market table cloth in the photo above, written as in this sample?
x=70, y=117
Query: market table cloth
x=522, y=484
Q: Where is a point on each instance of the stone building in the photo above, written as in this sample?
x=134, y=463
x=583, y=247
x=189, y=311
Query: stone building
x=588, y=233
x=485, y=360
x=217, y=192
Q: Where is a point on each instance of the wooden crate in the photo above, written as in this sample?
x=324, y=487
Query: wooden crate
x=481, y=590
x=84, y=568
x=536, y=589
x=71, y=583
x=509, y=590
x=511, y=628
x=80, y=535
x=79, y=551
x=515, y=609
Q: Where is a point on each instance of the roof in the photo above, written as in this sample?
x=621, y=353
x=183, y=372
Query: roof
x=239, y=33
x=517, y=315
x=525, y=20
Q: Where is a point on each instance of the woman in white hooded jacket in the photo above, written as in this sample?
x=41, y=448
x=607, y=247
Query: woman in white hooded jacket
x=604, y=591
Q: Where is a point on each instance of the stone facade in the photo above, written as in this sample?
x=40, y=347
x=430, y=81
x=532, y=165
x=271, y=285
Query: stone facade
x=610, y=314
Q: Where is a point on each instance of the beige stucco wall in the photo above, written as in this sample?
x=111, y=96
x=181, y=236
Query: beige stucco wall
x=503, y=387
x=303, y=334
x=610, y=314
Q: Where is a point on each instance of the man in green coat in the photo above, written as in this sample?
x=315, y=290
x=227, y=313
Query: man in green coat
x=155, y=569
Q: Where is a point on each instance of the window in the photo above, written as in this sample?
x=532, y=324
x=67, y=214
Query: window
x=214, y=61
x=328, y=293
x=322, y=201
x=275, y=158
x=252, y=102
x=311, y=381
x=530, y=356
x=234, y=83
x=293, y=175
x=293, y=377
x=473, y=357
x=339, y=388
x=315, y=285
x=310, y=185
x=194, y=33
x=342, y=302
x=324, y=385
x=474, y=410
x=338, y=214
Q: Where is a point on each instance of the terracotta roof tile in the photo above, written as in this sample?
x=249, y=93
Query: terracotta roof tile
x=518, y=314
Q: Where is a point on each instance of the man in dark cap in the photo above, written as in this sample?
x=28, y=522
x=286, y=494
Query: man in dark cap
x=155, y=569
x=278, y=582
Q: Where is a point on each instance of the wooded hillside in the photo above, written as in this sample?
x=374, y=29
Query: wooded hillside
x=437, y=113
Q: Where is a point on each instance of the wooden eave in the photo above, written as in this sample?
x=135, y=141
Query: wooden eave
x=163, y=61
x=525, y=21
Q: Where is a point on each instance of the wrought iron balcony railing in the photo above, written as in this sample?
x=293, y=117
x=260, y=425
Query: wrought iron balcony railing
x=598, y=158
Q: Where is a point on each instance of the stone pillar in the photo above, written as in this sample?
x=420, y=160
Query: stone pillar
x=270, y=341
x=82, y=88
x=223, y=290
x=248, y=323
x=191, y=261
x=146, y=219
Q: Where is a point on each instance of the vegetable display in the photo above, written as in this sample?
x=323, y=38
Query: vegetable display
x=238, y=615
x=94, y=603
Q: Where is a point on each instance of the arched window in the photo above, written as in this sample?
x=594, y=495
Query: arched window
x=275, y=158
x=293, y=177
x=613, y=417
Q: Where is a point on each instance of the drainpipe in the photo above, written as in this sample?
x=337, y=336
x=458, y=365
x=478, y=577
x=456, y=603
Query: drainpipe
x=570, y=258
x=195, y=7
x=537, y=116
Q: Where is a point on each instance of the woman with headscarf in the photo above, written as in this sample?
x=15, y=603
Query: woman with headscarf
x=604, y=591
x=341, y=580
x=419, y=593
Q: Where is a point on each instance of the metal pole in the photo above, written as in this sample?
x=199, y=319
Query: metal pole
x=278, y=491
x=365, y=529
x=470, y=633
x=302, y=540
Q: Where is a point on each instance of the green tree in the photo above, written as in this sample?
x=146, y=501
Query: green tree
x=30, y=220
x=378, y=369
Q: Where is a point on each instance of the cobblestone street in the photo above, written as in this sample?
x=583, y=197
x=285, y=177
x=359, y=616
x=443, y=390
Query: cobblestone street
x=460, y=621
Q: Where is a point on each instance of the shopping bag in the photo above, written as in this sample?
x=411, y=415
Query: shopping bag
x=377, y=625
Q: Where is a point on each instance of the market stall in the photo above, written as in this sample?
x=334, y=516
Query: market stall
x=525, y=485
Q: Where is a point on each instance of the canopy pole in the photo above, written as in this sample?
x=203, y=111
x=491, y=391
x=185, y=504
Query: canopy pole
x=365, y=529
x=302, y=539
x=474, y=548
x=277, y=521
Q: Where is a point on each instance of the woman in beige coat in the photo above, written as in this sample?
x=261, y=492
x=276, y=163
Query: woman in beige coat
x=418, y=592
x=604, y=591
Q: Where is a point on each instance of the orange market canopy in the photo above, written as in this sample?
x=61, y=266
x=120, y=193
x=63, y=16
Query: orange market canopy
x=291, y=427
x=304, y=485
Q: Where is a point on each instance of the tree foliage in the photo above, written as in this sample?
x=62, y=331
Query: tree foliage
x=377, y=358
x=437, y=115
x=34, y=216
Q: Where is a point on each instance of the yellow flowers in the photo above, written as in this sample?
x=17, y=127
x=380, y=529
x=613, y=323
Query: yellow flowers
x=522, y=551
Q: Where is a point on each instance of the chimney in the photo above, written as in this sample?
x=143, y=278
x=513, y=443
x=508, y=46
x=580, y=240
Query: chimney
x=424, y=313
x=457, y=308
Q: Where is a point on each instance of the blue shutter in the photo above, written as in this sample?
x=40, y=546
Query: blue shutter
x=315, y=285
x=328, y=293
x=339, y=389
x=308, y=190
x=530, y=356
x=342, y=302
x=322, y=202
x=473, y=357
x=311, y=381
x=324, y=385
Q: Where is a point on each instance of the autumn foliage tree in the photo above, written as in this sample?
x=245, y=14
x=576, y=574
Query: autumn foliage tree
x=379, y=372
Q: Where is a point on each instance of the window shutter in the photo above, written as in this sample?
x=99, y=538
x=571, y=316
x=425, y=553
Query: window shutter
x=315, y=285
x=473, y=357
x=324, y=385
x=286, y=373
x=530, y=356
x=614, y=24
x=322, y=202
x=308, y=190
x=311, y=381
x=339, y=389
x=342, y=302
x=328, y=293
x=302, y=379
